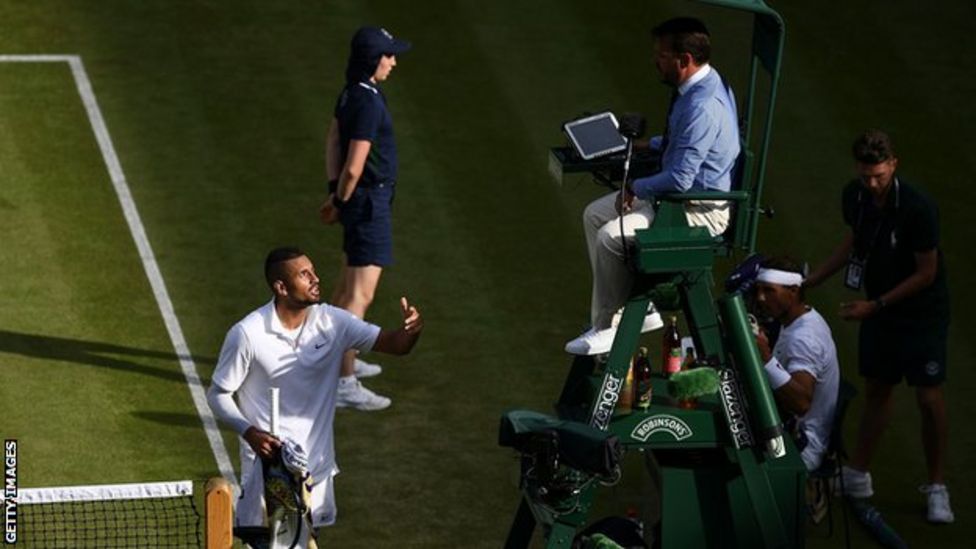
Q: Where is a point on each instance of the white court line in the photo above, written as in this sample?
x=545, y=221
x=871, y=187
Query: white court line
x=145, y=253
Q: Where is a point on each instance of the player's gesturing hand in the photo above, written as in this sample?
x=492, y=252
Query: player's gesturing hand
x=413, y=323
x=401, y=340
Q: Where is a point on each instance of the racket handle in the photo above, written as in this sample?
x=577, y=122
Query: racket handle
x=273, y=393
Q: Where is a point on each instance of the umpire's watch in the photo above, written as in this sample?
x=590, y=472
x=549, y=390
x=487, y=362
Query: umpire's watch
x=879, y=304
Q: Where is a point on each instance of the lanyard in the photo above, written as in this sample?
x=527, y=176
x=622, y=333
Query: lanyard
x=881, y=218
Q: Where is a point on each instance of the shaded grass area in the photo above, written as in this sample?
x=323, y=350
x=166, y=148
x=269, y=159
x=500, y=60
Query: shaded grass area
x=84, y=356
x=219, y=112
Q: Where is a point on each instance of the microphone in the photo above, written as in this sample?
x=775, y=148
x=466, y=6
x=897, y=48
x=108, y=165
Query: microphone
x=632, y=125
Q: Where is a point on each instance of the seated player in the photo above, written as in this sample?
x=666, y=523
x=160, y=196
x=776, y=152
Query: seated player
x=802, y=367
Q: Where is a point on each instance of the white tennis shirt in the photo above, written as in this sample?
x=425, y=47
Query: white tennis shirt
x=807, y=345
x=259, y=353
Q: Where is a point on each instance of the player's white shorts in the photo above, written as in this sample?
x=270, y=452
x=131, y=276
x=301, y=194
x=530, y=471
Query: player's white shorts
x=250, y=506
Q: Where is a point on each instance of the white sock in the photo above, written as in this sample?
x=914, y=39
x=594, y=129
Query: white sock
x=852, y=472
x=347, y=380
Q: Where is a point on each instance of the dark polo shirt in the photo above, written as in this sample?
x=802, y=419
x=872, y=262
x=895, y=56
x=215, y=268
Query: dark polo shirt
x=362, y=114
x=889, y=237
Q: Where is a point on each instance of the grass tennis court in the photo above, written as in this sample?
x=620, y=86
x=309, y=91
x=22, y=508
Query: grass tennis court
x=218, y=113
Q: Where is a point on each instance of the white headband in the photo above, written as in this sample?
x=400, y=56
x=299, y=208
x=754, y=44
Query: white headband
x=783, y=278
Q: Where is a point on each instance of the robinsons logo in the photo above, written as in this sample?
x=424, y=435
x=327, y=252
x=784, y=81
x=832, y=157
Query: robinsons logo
x=669, y=424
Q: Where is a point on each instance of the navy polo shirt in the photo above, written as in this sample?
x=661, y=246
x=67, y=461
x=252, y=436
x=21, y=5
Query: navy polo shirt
x=889, y=237
x=362, y=114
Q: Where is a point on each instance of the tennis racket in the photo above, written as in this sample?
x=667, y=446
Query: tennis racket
x=287, y=525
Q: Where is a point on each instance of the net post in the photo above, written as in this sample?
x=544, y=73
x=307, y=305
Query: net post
x=220, y=511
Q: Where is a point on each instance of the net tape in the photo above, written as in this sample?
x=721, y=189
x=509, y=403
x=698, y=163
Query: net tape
x=157, y=514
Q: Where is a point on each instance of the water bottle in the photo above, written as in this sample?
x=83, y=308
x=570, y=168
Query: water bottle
x=871, y=518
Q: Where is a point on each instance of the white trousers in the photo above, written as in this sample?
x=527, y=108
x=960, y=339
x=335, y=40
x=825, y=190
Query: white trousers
x=612, y=277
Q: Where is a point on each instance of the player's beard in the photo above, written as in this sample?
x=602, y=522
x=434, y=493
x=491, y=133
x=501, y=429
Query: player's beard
x=312, y=297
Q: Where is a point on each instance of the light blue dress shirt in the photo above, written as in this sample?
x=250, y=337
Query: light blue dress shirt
x=703, y=141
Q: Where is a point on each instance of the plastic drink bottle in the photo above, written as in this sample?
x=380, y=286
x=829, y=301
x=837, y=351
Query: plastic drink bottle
x=671, y=349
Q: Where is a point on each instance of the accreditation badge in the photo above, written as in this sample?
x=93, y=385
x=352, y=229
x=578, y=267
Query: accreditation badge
x=854, y=275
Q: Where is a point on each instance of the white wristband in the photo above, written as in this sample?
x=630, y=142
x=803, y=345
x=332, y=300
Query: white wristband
x=776, y=374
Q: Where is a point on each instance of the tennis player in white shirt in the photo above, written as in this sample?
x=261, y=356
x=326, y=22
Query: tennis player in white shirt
x=802, y=367
x=294, y=343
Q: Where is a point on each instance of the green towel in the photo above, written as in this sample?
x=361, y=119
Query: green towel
x=600, y=541
x=695, y=383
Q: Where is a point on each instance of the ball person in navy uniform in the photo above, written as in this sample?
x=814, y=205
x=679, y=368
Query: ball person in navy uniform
x=361, y=164
x=892, y=252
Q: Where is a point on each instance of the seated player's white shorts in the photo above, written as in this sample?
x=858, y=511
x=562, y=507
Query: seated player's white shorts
x=250, y=506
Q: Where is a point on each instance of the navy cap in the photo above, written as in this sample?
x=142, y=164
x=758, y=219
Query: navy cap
x=375, y=41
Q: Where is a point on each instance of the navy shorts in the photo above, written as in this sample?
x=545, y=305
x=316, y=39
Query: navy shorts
x=368, y=226
x=915, y=351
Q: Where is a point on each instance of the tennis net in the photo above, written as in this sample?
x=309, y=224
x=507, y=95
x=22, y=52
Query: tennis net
x=155, y=514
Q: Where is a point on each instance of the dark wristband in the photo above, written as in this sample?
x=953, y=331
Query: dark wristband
x=333, y=186
x=880, y=304
x=336, y=202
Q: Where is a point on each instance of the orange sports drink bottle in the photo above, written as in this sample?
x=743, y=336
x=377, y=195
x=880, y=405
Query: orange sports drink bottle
x=671, y=349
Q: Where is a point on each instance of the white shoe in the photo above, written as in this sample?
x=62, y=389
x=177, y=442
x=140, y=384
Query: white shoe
x=857, y=484
x=595, y=342
x=367, y=369
x=592, y=342
x=939, y=510
x=652, y=321
x=355, y=395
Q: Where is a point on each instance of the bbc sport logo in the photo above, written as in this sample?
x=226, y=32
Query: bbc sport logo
x=10, y=491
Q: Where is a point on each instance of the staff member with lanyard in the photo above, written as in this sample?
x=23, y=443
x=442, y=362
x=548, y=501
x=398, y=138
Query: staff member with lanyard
x=892, y=251
x=361, y=164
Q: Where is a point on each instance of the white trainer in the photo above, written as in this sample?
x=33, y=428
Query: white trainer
x=652, y=321
x=592, y=342
x=355, y=395
x=939, y=510
x=596, y=342
x=857, y=484
x=367, y=369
